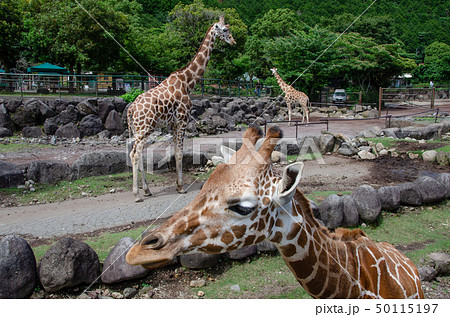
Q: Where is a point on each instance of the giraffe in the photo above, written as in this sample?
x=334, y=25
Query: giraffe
x=291, y=95
x=246, y=201
x=168, y=105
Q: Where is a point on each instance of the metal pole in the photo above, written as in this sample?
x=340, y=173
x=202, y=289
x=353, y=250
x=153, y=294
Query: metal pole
x=380, y=96
x=433, y=94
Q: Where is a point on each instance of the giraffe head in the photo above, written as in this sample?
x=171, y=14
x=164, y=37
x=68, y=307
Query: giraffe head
x=222, y=31
x=237, y=206
x=274, y=70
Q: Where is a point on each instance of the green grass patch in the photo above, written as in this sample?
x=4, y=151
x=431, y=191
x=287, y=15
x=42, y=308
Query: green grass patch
x=422, y=229
x=387, y=142
x=84, y=187
x=303, y=157
x=265, y=274
x=18, y=147
x=445, y=149
x=319, y=196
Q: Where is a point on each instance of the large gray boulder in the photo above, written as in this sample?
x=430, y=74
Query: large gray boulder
x=115, y=267
x=5, y=132
x=68, y=263
x=32, y=132
x=100, y=163
x=105, y=106
x=199, y=260
x=87, y=107
x=10, y=175
x=431, y=190
x=5, y=118
x=32, y=112
x=347, y=149
x=68, y=131
x=69, y=114
x=441, y=262
x=351, y=216
x=49, y=171
x=113, y=123
x=326, y=143
x=17, y=268
x=50, y=126
x=410, y=194
x=91, y=125
x=243, y=253
x=367, y=203
x=331, y=211
x=444, y=178
x=389, y=198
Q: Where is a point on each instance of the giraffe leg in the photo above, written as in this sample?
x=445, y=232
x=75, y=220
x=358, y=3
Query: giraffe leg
x=179, y=157
x=135, y=156
x=147, y=192
x=289, y=112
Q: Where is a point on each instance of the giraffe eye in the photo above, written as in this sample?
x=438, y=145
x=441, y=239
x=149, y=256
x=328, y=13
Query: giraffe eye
x=225, y=30
x=242, y=210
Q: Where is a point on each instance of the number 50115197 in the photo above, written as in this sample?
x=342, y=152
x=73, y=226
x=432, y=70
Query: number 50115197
x=406, y=308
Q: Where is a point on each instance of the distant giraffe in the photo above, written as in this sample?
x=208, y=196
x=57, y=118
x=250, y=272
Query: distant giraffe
x=168, y=105
x=292, y=95
x=246, y=201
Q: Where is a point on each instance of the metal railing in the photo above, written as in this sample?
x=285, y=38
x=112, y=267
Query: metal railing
x=52, y=84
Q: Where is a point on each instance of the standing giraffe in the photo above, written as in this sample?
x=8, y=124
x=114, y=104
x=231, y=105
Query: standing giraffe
x=292, y=95
x=245, y=202
x=168, y=105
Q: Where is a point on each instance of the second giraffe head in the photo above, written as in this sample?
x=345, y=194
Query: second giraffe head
x=223, y=31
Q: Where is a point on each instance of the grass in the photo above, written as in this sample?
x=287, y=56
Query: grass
x=17, y=147
x=89, y=186
x=319, y=196
x=425, y=227
x=303, y=157
x=266, y=273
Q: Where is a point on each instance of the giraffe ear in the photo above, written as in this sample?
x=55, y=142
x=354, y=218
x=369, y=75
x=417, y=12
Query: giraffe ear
x=227, y=153
x=291, y=177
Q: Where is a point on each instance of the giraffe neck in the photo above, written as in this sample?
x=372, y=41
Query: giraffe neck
x=194, y=71
x=320, y=263
x=281, y=82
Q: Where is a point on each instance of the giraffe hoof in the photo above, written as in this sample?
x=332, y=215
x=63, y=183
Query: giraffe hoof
x=181, y=190
x=147, y=193
x=138, y=200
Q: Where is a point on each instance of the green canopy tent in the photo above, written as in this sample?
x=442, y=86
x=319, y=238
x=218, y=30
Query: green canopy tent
x=2, y=70
x=48, y=69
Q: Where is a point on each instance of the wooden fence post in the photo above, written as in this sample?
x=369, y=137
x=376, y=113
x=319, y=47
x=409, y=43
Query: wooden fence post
x=433, y=95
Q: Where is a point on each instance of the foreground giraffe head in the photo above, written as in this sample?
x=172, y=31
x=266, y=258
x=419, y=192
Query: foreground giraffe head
x=222, y=31
x=237, y=206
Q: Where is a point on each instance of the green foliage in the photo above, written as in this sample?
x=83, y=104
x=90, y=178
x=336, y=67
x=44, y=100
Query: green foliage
x=132, y=95
x=436, y=66
x=11, y=26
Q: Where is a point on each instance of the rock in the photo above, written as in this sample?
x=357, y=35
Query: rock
x=441, y=262
x=200, y=293
x=266, y=246
x=116, y=269
x=5, y=118
x=443, y=158
x=278, y=157
x=383, y=152
x=70, y=114
x=68, y=263
x=444, y=178
x=379, y=147
x=401, y=122
x=116, y=295
x=113, y=123
x=197, y=283
x=389, y=198
x=100, y=163
x=365, y=155
x=199, y=260
x=367, y=203
x=10, y=175
x=129, y=292
x=410, y=194
x=242, y=253
x=119, y=103
x=190, y=159
x=347, y=149
x=429, y=156
x=4, y=132
x=17, y=268
x=431, y=190
x=50, y=126
x=68, y=131
x=331, y=211
x=427, y=273
x=235, y=288
x=49, y=171
x=12, y=105
x=315, y=208
x=32, y=132
x=216, y=160
x=326, y=143
x=413, y=156
x=105, y=106
x=351, y=216
x=91, y=125
x=86, y=107
x=32, y=112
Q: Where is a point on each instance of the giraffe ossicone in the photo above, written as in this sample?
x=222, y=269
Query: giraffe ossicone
x=169, y=105
x=243, y=204
x=291, y=95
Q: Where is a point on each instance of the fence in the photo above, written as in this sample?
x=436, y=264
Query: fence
x=32, y=84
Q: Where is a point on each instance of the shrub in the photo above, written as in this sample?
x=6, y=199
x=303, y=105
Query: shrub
x=132, y=95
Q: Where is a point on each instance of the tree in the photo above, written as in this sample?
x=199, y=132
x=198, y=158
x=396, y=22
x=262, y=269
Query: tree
x=11, y=27
x=436, y=66
x=61, y=32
